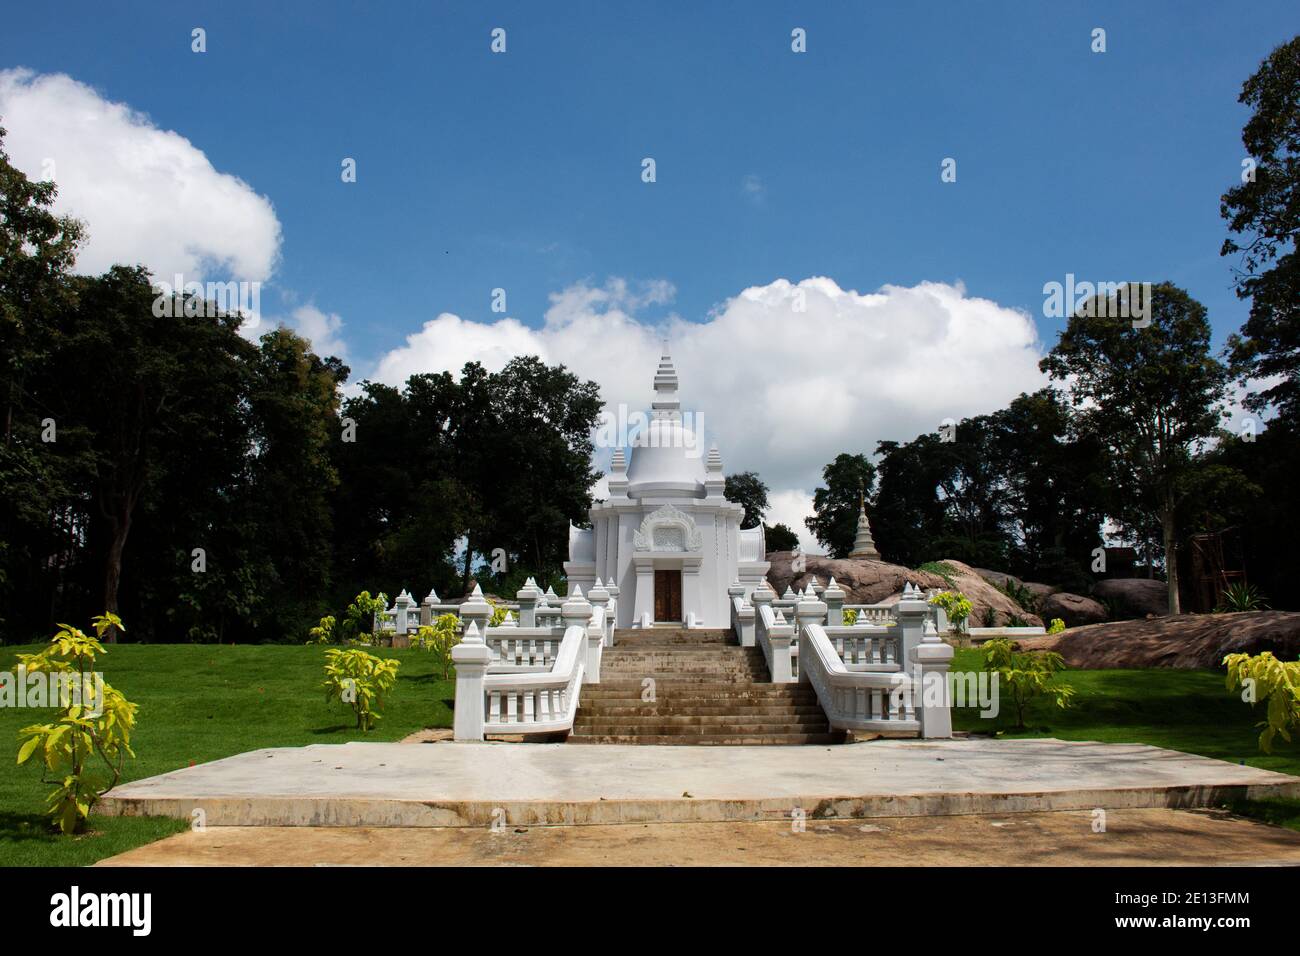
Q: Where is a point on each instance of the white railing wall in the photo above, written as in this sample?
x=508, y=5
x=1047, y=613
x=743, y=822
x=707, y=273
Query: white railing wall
x=514, y=679
x=882, y=679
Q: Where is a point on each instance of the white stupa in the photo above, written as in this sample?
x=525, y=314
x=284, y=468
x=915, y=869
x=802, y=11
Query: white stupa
x=667, y=537
x=863, y=545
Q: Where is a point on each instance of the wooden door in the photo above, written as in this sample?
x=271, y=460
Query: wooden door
x=668, y=595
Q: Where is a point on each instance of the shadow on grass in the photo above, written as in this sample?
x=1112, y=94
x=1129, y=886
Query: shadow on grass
x=26, y=826
x=335, y=729
x=1281, y=811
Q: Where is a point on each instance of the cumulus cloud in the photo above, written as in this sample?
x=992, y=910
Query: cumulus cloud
x=322, y=329
x=148, y=195
x=785, y=375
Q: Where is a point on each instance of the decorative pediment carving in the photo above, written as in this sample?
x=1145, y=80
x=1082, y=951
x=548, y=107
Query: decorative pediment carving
x=668, y=529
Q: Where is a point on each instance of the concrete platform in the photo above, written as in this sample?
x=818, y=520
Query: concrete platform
x=453, y=785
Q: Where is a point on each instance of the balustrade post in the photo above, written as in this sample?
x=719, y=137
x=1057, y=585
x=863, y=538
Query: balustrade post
x=743, y=616
x=528, y=596
x=834, y=598
x=599, y=598
x=576, y=610
x=779, y=636
x=930, y=661
x=476, y=610
x=401, y=613
x=426, y=608
x=471, y=657
x=761, y=595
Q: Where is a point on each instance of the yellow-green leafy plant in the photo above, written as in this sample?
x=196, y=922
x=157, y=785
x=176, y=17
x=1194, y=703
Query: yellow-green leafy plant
x=499, y=612
x=359, y=620
x=83, y=750
x=1263, y=677
x=359, y=680
x=1027, y=675
x=440, y=637
x=1056, y=627
x=323, y=633
x=850, y=616
x=956, y=605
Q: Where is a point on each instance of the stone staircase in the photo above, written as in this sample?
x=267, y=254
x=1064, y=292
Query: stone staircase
x=708, y=690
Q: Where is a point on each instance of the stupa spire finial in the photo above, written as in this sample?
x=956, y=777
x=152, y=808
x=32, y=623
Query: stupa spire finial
x=665, y=403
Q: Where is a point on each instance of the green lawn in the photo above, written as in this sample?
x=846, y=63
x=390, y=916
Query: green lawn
x=1187, y=710
x=200, y=703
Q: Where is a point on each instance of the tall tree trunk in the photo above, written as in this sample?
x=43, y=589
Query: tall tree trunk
x=121, y=527
x=1171, y=556
x=469, y=561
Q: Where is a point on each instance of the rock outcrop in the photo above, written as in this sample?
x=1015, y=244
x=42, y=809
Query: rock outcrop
x=878, y=582
x=1074, y=609
x=1184, y=640
x=1133, y=597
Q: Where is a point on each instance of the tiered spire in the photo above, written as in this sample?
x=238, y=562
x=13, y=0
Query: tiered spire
x=863, y=545
x=666, y=404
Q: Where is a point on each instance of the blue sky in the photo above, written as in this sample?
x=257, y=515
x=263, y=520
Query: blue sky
x=523, y=171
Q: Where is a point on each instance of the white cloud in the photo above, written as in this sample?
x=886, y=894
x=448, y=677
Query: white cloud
x=147, y=195
x=781, y=391
x=321, y=329
x=790, y=507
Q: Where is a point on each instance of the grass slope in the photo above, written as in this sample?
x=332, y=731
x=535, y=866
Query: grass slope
x=203, y=702
x=200, y=703
x=1186, y=710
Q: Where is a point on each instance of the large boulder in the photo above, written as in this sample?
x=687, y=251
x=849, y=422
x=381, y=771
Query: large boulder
x=1134, y=597
x=984, y=596
x=1040, y=591
x=1184, y=640
x=1074, y=609
x=998, y=579
x=879, y=582
x=863, y=581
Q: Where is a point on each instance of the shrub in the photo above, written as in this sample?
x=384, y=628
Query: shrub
x=956, y=605
x=357, y=624
x=1026, y=675
x=359, y=679
x=989, y=617
x=850, y=616
x=1056, y=627
x=440, y=637
x=1240, y=596
x=323, y=633
x=1265, y=677
x=84, y=749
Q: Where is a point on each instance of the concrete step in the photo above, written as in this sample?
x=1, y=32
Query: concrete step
x=716, y=652
x=740, y=709
x=674, y=636
x=696, y=690
x=726, y=740
x=689, y=724
x=685, y=677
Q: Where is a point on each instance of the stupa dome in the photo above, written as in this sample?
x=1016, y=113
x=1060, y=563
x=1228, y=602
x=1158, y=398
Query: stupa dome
x=667, y=458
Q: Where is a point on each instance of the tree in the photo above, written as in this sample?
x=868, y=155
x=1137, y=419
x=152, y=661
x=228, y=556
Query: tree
x=780, y=537
x=747, y=489
x=1151, y=395
x=835, y=519
x=1264, y=216
x=37, y=476
x=158, y=396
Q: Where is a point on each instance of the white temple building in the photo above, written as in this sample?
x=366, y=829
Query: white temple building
x=666, y=536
